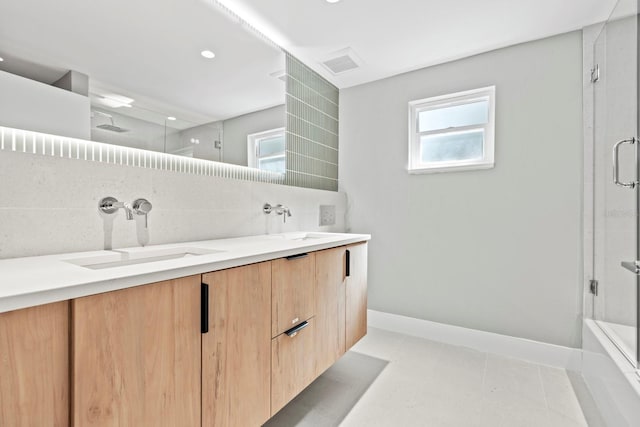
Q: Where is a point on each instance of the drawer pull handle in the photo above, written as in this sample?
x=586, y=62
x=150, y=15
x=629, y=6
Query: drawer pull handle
x=294, y=331
x=347, y=263
x=297, y=256
x=204, y=309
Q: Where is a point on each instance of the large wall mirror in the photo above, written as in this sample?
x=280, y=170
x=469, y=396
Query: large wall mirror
x=180, y=77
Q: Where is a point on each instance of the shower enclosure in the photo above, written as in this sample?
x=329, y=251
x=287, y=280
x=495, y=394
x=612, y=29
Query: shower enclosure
x=615, y=269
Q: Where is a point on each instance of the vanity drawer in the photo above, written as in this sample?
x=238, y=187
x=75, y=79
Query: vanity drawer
x=292, y=364
x=292, y=291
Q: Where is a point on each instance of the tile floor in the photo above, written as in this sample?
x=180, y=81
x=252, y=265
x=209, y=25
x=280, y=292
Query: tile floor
x=389, y=379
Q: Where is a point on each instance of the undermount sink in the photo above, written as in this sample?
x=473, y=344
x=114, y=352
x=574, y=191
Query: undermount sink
x=121, y=258
x=304, y=236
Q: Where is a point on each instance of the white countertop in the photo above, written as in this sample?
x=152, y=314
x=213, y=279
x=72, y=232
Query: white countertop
x=31, y=281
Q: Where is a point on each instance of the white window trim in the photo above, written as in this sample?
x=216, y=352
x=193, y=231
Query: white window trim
x=415, y=166
x=252, y=149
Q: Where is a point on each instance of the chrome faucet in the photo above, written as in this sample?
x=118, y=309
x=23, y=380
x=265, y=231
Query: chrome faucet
x=110, y=205
x=279, y=210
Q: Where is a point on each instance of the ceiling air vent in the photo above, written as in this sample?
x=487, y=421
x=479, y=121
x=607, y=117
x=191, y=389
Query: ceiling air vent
x=342, y=61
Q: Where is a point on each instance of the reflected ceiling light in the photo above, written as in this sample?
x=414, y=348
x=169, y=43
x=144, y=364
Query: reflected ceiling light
x=115, y=101
x=171, y=118
x=1, y=59
x=208, y=54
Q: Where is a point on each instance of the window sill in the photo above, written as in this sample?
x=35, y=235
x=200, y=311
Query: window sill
x=441, y=169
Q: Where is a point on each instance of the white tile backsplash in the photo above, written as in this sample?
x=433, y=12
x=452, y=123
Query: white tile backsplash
x=49, y=205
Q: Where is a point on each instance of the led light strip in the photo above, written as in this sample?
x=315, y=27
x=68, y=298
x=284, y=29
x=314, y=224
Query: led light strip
x=36, y=143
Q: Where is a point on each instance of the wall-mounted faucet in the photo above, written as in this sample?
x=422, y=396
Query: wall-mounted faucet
x=110, y=205
x=279, y=210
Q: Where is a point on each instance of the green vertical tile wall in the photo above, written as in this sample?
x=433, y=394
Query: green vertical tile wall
x=312, y=106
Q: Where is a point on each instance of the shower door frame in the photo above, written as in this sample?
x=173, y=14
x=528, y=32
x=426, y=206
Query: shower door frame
x=636, y=204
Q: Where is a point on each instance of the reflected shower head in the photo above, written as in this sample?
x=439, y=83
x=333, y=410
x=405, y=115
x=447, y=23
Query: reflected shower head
x=112, y=127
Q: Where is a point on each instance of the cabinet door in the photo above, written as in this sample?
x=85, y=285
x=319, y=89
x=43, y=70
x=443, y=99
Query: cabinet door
x=236, y=352
x=137, y=356
x=293, y=291
x=34, y=366
x=356, y=293
x=330, y=307
x=292, y=365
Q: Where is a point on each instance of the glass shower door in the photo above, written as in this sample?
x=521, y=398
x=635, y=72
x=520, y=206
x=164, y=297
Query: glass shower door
x=616, y=174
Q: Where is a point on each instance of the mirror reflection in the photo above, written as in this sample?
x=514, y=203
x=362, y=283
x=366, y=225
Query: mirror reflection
x=182, y=77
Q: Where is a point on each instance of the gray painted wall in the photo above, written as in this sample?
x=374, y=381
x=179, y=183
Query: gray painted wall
x=497, y=250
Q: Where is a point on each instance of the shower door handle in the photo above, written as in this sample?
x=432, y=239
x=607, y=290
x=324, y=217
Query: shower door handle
x=616, y=174
x=632, y=266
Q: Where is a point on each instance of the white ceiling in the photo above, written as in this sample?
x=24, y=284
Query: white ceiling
x=397, y=36
x=149, y=49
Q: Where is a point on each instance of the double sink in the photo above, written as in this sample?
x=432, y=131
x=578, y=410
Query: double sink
x=126, y=257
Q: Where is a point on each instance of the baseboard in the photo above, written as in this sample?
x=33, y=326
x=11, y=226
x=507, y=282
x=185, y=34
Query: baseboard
x=520, y=348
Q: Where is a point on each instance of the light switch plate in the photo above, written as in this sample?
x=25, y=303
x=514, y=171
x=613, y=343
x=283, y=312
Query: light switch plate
x=327, y=214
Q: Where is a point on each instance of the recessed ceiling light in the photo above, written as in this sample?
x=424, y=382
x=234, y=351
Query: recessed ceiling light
x=1, y=59
x=171, y=118
x=333, y=1
x=208, y=54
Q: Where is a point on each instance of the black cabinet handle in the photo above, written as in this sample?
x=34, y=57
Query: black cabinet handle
x=294, y=331
x=348, y=263
x=204, y=310
x=298, y=256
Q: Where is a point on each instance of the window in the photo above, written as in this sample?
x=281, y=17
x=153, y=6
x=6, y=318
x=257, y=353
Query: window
x=266, y=150
x=452, y=132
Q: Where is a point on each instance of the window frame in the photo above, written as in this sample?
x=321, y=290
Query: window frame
x=253, y=159
x=415, y=164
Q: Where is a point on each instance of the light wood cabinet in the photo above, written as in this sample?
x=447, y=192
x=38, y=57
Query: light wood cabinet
x=293, y=291
x=292, y=365
x=34, y=366
x=236, y=351
x=137, y=356
x=356, y=293
x=330, y=307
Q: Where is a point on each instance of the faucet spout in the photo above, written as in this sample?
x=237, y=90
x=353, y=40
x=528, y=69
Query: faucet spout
x=128, y=210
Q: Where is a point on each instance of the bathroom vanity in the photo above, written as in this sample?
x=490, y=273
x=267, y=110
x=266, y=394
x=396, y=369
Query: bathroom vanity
x=216, y=333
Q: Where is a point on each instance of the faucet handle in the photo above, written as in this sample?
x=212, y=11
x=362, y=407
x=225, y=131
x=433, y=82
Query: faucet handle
x=142, y=207
x=284, y=211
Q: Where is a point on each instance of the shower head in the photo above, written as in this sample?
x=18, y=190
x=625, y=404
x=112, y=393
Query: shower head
x=112, y=128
